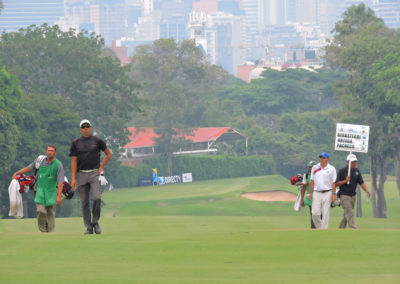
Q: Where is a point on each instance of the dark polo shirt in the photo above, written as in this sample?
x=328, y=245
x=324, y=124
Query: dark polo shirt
x=87, y=150
x=355, y=178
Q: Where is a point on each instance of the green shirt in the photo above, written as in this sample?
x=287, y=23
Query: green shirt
x=46, y=193
x=306, y=201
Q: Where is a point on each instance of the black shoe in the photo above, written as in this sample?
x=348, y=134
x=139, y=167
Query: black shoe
x=88, y=232
x=97, y=229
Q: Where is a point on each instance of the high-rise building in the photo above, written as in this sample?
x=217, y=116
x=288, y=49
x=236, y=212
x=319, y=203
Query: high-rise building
x=229, y=35
x=197, y=27
x=329, y=12
x=173, y=24
x=207, y=6
x=230, y=6
x=273, y=12
x=282, y=39
x=307, y=11
x=107, y=18
x=148, y=7
x=389, y=11
x=17, y=14
x=290, y=11
x=220, y=36
x=80, y=15
x=252, y=10
x=112, y=22
x=148, y=27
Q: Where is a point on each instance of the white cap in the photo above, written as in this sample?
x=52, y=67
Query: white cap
x=84, y=121
x=351, y=158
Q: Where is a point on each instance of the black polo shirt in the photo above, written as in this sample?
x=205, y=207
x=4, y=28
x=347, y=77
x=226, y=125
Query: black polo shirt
x=87, y=150
x=355, y=178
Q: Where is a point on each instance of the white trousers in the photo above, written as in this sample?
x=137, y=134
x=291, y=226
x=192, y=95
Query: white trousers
x=321, y=205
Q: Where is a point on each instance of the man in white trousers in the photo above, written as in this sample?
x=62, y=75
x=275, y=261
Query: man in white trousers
x=322, y=190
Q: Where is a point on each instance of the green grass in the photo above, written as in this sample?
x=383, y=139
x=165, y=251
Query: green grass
x=204, y=232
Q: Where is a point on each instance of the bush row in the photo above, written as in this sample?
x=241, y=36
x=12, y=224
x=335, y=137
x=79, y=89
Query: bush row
x=202, y=168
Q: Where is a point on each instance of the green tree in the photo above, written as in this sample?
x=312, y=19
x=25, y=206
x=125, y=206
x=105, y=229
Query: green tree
x=179, y=86
x=295, y=139
x=42, y=120
x=284, y=91
x=367, y=50
x=10, y=136
x=387, y=101
x=73, y=65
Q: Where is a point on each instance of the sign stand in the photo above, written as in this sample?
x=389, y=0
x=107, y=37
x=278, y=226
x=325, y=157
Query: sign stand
x=348, y=173
x=352, y=138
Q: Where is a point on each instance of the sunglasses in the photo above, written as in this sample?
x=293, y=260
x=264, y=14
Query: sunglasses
x=85, y=126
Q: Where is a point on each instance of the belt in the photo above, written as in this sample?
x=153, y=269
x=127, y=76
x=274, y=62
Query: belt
x=323, y=191
x=88, y=171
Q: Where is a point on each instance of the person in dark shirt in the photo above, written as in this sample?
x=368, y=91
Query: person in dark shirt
x=347, y=192
x=85, y=172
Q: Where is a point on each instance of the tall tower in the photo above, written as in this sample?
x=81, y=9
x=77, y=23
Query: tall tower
x=23, y=13
x=148, y=7
x=389, y=11
x=273, y=12
x=290, y=10
x=329, y=12
x=253, y=13
x=307, y=11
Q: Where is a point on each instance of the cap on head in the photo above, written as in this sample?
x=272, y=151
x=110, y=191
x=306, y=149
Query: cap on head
x=85, y=121
x=311, y=164
x=324, y=155
x=351, y=158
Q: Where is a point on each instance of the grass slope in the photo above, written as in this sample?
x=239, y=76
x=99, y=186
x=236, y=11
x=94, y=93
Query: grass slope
x=201, y=248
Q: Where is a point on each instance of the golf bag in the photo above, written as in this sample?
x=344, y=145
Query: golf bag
x=26, y=182
x=295, y=180
x=67, y=191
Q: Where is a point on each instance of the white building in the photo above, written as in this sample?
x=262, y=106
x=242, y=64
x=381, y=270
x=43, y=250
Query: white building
x=221, y=36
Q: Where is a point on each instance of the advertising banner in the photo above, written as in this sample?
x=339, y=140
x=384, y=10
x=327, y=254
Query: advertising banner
x=169, y=180
x=187, y=177
x=145, y=182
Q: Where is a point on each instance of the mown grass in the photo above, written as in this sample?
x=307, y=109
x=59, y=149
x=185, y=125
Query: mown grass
x=221, y=198
x=248, y=243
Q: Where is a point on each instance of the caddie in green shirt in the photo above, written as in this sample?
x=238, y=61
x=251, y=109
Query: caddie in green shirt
x=49, y=188
x=305, y=190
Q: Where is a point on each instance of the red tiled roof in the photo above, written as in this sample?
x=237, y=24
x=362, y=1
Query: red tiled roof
x=144, y=137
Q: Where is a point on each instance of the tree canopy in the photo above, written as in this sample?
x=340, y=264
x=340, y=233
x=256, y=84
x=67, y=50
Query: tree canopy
x=62, y=77
x=52, y=62
x=369, y=52
x=284, y=91
x=179, y=86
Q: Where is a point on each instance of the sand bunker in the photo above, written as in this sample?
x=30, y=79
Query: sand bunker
x=277, y=195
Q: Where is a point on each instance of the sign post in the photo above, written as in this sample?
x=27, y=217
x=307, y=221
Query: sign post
x=352, y=138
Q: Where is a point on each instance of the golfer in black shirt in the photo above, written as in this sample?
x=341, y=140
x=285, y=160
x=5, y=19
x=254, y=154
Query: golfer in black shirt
x=85, y=171
x=347, y=191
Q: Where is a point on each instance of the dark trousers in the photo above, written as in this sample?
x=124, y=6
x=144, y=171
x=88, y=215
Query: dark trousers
x=89, y=186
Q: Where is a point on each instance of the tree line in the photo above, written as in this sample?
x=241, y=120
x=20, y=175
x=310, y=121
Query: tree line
x=51, y=79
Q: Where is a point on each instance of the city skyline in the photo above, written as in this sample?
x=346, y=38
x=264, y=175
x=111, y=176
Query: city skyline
x=231, y=33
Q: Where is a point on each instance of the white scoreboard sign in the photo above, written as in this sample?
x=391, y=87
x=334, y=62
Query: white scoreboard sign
x=353, y=138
